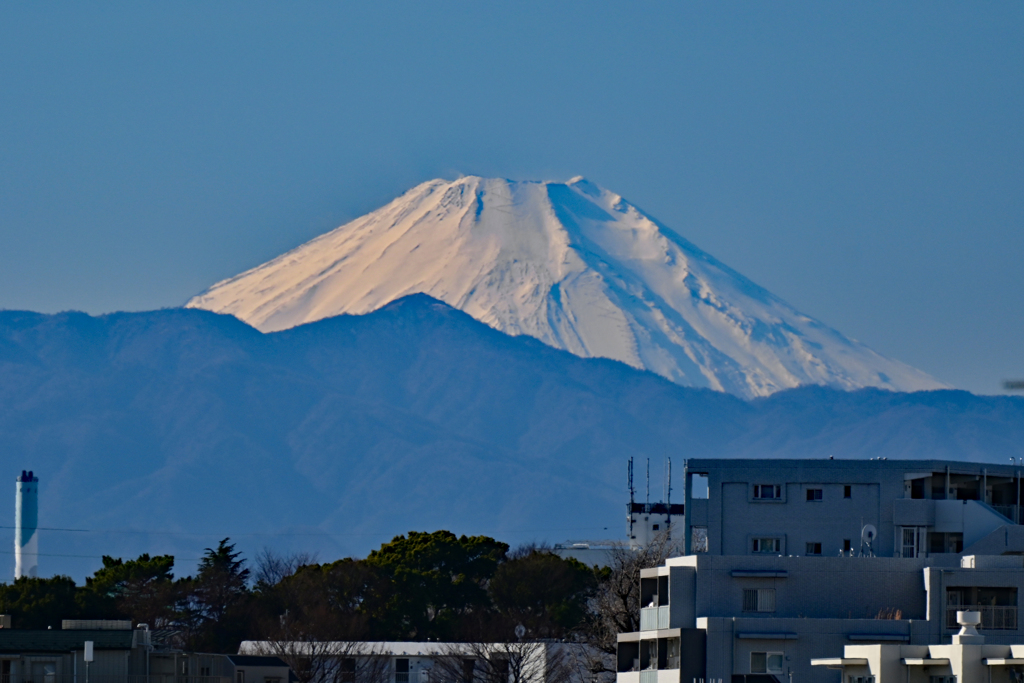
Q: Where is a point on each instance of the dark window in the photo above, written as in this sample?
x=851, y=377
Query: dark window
x=402, y=671
x=767, y=491
x=348, y=670
x=654, y=527
x=847, y=491
x=758, y=599
x=917, y=489
x=814, y=549
x=813, y=494
x=766, y=545
x=468, y=665
x=847, y=545
x=945, y=543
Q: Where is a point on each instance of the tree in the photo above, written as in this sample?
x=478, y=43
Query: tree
x=272, y=568
x=508, y=661
x=140, y=590
x=205, y=602
x=39, y=603
x=545, y=593
x=615, y=607
x=435, y=579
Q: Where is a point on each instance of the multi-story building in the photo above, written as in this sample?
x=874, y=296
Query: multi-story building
x=764, y=618
x=917, y=508
x=789, y=561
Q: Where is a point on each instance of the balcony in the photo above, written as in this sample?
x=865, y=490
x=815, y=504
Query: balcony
x=652, y=618
x=649, y=676
x=992, y=618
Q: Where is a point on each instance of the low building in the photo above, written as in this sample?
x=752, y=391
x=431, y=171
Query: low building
x=966, y=659
x=120, y=654
x=432, y=662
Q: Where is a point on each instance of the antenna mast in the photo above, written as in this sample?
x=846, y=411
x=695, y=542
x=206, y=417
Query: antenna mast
x=668, y=481
x=668, y=497
x=629, y=509
x=648, y=484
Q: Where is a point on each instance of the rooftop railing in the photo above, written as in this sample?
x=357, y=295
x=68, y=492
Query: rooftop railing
x=993, y=618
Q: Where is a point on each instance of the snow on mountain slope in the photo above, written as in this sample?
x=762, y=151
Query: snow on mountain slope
x=573, y=265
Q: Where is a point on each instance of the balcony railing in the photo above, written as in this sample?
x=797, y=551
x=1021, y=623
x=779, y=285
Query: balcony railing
x=992, y=618
x=649, y=676
x=652, y=618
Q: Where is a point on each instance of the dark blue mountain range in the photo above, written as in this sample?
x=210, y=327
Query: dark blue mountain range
x=165, y=431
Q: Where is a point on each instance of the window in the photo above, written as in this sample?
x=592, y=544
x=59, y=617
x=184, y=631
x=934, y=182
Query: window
x=205, y=671
x=998, y=606
x=847, y=491
x=767, y=492
x=864, y=679
x=909, y=548
x=813, y=494
x=468, y=666
x=813, y=549
x=239, y=676
x=700, y=488
x=654, y=527
x=671, y=653
x=348, y=670
x=766, y=545
x=765, y=662
x=945, y=543
x=758, y=599
x=938, y=679
x=847, y=545
x=402, y=671
x=699, y=539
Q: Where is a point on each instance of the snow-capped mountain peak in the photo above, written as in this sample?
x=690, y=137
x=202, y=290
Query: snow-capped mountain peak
x=573, y=265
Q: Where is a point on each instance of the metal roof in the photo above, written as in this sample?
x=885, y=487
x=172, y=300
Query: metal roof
x=21, y=641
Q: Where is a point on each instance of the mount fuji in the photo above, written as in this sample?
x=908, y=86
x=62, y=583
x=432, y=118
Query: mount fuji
x=573, y=265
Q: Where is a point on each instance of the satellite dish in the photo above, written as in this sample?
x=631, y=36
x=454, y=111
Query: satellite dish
x=868, y=533
x=520, y=631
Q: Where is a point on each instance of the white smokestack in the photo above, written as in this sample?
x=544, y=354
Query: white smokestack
x=26, y=515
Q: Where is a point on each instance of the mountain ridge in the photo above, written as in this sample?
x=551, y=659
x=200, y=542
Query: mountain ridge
x=336, y=435
x=573, y=265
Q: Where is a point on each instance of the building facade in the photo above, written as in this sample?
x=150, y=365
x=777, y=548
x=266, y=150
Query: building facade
x=917, y=508
x=763, y=619
x=789, y=561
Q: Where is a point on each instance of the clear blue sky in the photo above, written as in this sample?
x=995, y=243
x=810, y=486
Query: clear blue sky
x=862, y=160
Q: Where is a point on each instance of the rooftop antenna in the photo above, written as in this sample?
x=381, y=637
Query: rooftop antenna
x=668, y=497
x=648, y=484
x=632, y=491
x=632, y=496
x=668, y=481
